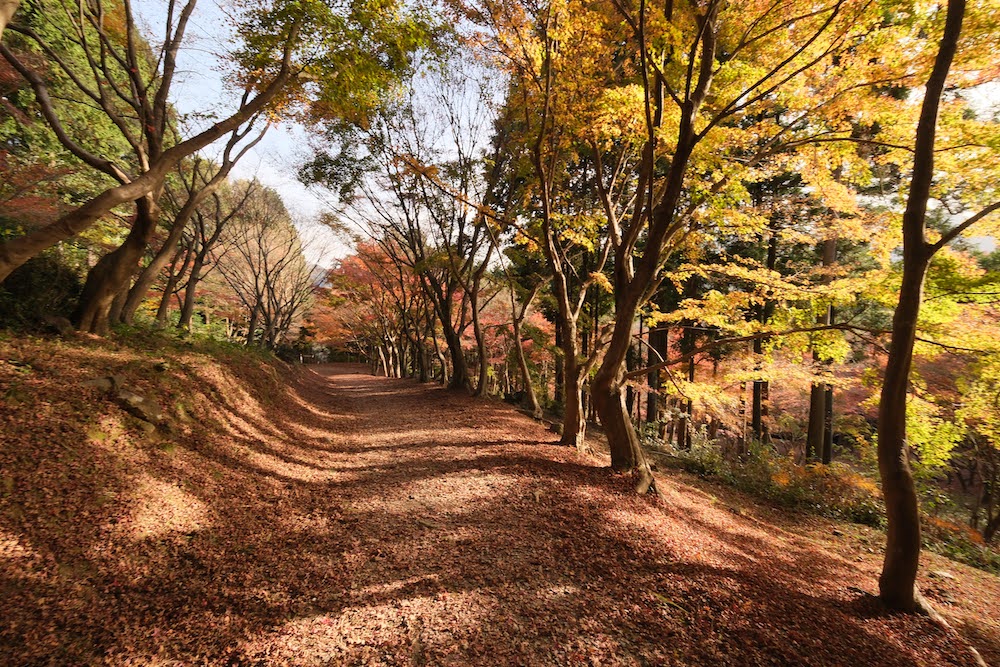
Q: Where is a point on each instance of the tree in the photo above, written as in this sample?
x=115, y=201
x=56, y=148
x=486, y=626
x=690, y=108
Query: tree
x=201, y=183
x=351, y=53
x=897, y=583
x=556, y=131
x=119, y=74
x=754, y=58
x=265, y=267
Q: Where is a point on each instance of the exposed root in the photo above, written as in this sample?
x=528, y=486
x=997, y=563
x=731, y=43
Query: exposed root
x=924, y=607
x=647, y=483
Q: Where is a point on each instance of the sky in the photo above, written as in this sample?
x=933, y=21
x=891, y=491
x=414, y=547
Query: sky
x=199, y=89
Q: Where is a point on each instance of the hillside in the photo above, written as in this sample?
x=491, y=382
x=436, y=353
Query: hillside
x=309, y=516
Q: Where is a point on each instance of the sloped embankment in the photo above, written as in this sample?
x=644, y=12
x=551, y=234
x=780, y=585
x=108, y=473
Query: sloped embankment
x=322, y=516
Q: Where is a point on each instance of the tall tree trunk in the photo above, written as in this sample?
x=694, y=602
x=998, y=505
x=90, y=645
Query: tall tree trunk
x=761, y=387
x=897, y=584
x=522, y=361
x=437, y=348
x=574, y=419
x=819, y=391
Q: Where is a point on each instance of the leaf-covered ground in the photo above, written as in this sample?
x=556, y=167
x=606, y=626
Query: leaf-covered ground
x=326, y=516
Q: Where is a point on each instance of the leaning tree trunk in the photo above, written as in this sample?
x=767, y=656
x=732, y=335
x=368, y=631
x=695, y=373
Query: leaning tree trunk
x=111, y=273
x=152, y=270
x=608, y=386
x=897, y=584
x=607, y=390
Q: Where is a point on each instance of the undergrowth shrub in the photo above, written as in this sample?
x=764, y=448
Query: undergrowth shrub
x=837, y=490
x=834, y=490
x=959, y=542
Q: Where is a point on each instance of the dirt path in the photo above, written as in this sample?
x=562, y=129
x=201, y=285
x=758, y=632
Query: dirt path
x=368, y=521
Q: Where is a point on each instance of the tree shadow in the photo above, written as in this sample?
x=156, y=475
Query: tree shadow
x=430, y=550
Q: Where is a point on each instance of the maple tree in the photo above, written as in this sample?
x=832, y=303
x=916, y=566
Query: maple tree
x=554, y=128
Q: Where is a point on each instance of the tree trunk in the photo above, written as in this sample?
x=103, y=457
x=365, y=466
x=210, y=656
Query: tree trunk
x=658, y=343
x=761, y=387
x=760, y=391
x=897, y=584
x=574, y=421
x=460, y=370
x=152, y=270
x=522, y=365
x=607, y=392
x=118, y=304
x=816, y=440
x=190, y=293
x=814, y=431
x=827, y=456
x=111, y=273
x=483, y=359
x=252, y=324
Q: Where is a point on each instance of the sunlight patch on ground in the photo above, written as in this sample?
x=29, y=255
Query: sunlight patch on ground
x=392, y=632
x=454, y=493
x=163, y=508
x=11, y=548
x=392, y=588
